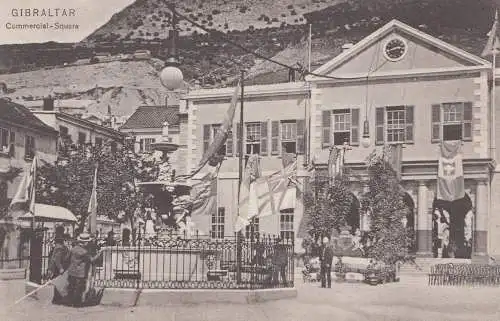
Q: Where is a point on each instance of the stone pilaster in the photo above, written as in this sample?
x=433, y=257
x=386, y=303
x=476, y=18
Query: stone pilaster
x=481, y=226
x=424, y=222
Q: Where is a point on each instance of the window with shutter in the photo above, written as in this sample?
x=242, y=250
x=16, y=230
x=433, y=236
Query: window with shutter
x=354, y=127
x=341, y=126
x=301, y=128
x=452, y=121
x=263, y=138
x=206, y=137
x=288, y=136
x=275, y=138
x=409, y=125
x=436, y=123
x=327, y=123
x=379, y=125
x=467, y=122
x=252, y=138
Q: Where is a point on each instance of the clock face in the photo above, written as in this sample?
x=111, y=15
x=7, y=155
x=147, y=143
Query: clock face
x=395, y=49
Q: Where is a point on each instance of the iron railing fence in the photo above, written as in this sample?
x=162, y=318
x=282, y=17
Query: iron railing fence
x=199, y=263
x=464, y=275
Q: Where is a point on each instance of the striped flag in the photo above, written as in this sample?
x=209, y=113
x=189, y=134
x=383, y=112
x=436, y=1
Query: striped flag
x=396, y=158
x=92, y=209
x=24, y=199
x=204, y=194
x=247, y=203
x=222, y=134
x=492, y=47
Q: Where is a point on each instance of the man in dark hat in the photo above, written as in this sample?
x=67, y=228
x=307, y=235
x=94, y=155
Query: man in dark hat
x=280, y=262
x=58, y=263
x=80, y=258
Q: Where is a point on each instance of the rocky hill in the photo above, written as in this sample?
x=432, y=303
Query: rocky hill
x=123, y=86
x=272, y=28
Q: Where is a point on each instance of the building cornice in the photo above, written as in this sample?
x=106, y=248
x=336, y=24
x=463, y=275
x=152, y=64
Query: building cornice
x=469, y=71
x=281, y=89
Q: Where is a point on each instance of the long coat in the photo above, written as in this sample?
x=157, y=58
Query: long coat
x=326, y=255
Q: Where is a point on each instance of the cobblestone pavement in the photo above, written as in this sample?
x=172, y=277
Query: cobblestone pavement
x=409, y=300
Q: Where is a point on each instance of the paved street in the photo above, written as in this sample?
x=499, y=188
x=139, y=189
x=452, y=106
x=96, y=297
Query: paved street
x=411, y=299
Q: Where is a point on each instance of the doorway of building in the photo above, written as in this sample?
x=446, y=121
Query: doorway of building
x=410, y=221
x=452, y=225
x=353, y=218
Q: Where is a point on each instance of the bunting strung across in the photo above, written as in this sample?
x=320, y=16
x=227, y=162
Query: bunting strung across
x=246, y=202
x=24, y=199
x=450, y=185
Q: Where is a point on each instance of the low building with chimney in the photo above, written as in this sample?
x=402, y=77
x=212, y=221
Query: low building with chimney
x=150, y=124
x=73, y=129
x=398, y=86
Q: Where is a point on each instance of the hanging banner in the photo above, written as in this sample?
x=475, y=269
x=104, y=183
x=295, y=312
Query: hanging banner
x=450, y=182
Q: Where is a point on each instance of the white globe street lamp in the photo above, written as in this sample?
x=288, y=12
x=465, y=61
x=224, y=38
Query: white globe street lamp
x=365, y=139
x=171, y=76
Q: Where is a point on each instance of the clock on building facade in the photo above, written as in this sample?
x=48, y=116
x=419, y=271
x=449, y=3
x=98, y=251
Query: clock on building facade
x=395, y=49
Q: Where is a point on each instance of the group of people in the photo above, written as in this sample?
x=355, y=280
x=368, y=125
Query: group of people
x=73, y=263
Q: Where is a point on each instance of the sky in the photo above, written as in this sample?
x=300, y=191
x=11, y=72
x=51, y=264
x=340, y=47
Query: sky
x=88, y=16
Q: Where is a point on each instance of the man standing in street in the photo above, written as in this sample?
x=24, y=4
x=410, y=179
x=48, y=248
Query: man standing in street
x=326, y=259
x=80, y=259
x=58, y=262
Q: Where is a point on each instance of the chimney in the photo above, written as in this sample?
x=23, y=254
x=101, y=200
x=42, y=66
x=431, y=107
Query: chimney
x=347, y=46
x=48, y=103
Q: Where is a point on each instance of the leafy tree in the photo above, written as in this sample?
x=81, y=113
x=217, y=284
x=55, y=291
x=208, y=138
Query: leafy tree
x=68, y=182
x=388, y=239
x=327, y=206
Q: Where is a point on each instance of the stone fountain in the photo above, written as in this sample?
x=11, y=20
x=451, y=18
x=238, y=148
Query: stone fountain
x=169, y=197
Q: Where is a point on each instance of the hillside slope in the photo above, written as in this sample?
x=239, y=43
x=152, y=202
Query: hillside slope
x=150, y=19
x=121, y=85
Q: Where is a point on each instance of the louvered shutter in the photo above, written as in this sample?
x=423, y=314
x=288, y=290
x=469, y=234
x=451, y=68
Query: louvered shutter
x=301, y=128
x=326, y=125
x=355, y=127
x=409, y=135
x=436, y=123
x=263, y=138
x=275, y=138
x=238, y=139
x=206, y=138
x=467, y=122
x=229, y=143
x=379, y=125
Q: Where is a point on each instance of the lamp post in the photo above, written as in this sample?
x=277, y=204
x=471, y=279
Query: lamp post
x=365, y=139
x=171, y=76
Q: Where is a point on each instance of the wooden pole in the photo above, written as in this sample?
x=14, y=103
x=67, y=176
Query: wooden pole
x=239, y=236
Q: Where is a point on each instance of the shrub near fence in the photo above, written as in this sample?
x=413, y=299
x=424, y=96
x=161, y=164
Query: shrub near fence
x=199, y=263
x=465, y=275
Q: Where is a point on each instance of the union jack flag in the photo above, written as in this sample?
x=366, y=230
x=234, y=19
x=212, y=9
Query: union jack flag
x=277, y=191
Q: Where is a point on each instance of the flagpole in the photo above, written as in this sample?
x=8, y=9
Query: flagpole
x=239, y=235
x=309, y=52
x=493, y=104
